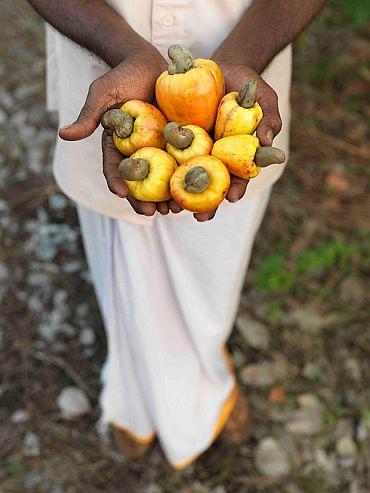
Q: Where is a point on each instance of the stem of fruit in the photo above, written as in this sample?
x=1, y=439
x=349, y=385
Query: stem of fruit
x=248, y=94
x=181, y=60
x=197, y=180
x=179, y=137
x=269, y=155
x=132, y=169
x=120, y=121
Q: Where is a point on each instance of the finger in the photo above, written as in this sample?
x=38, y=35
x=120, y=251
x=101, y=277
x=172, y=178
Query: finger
x=163, y=208
x=142, y=208
x=270, y=124
x=97, y=102
x=202, y=217
x=237, y=189
x=111, y=160
x=174, y=206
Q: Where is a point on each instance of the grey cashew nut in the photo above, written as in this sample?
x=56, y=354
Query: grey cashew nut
x=197, y=180
x=132, y=169
x=181, y=60
x=120, y=121
x=248, y=94
x=179, y=137
x=269, y=155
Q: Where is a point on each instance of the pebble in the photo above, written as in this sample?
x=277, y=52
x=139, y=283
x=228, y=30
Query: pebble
x=31, y=445
x=271, y=459
x=253, y=331
x=260, y=374
x=352, y=291
x=152, y=488
x=57, y=201
x=87, y=337
x=32, y=480
x=346, y=449
x=312, y=371
x=325, y=463
x=309, y=419
x=353, y=369
x=73, y=403
x=307, y=319
x=20, y=416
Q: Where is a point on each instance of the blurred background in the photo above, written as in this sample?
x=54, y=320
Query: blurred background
x=302, y=339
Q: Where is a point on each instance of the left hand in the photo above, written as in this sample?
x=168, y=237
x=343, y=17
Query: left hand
x=235, y=77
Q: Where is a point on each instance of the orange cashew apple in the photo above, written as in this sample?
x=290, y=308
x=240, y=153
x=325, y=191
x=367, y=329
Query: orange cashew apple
x=243, y=155
x=187, y=141
x=190, y=90
x=200, y=184
x=147, y=174
x=136, y=124
x=238, y=113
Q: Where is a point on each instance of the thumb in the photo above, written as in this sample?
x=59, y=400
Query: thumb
x=97, y=102
x=270, y=124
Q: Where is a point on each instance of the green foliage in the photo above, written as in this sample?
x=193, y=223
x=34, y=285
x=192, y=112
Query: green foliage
x=357, y=11
x=281, y=274
x=274, y=276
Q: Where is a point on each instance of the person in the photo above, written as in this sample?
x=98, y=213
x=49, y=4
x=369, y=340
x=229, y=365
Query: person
x=168, y=286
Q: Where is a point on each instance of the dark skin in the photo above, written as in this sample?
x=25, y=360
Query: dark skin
x=262, y=32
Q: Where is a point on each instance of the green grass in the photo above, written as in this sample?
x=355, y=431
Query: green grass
x=357, y=11
x=280, y=273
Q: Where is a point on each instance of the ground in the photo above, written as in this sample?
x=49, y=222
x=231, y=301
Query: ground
x=302, y=341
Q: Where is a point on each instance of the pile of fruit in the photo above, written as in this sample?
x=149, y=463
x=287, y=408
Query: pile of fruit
x=180, y=159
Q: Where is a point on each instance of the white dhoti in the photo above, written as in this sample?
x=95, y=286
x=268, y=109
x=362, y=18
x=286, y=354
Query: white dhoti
x=168, y=287
x=168, y=293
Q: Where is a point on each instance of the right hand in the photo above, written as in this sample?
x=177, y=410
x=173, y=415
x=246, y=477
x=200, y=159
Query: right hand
x=134, y=78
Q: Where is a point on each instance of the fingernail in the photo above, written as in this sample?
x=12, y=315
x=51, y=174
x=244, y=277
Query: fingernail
x=270, y=137
x=233, y=199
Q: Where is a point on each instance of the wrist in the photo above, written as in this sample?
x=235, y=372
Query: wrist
x=233, y=58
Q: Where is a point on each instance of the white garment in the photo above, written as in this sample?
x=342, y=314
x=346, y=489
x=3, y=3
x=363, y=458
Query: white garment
x=200, y=25
x=168, y=293
x=168, y=287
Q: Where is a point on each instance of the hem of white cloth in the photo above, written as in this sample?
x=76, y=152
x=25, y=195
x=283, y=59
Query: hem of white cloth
x=103, y=426
x=222, y=418
x=229, y=404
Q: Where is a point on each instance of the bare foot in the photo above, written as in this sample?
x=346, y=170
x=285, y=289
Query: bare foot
x=238, y=427
x=128, y=445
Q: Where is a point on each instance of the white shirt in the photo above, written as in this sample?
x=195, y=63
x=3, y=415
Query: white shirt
x=201, y=25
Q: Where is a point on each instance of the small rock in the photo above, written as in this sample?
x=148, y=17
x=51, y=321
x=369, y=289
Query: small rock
x=71, y=267
x=238, y=358
x=307, y=319
x=277, y=395
x=218, y=489
x=32, y=480
x=325, y=462
x=308, y=420
x=346, y=448
x=312, y=371
x=87, y=337
x=260, y=374
x=73, y=403
x=20, y=416
x=271, y=459
x=352, y=291
x=57, y=201
x=254, y=332
x=337, y=181
x=152, y=488
x=31, y=445
x=353, y=369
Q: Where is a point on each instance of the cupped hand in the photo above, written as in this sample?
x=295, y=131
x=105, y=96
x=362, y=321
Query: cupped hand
x=134, y=78
x=236, y=76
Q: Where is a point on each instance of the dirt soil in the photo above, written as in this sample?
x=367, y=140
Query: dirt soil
x=306, y=295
